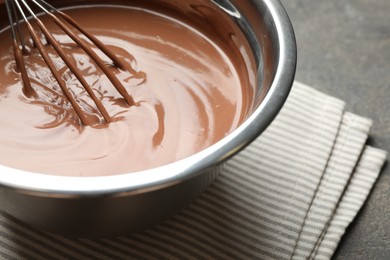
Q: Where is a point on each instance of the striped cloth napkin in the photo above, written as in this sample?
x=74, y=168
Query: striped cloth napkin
x=289, y=195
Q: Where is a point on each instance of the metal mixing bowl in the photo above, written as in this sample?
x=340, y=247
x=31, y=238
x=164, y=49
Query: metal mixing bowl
x=115, y=205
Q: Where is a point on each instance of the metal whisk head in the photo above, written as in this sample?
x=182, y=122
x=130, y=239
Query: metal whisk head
x=17, y=9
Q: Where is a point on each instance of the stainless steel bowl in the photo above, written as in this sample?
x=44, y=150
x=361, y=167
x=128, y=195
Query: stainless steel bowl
x=116, y=205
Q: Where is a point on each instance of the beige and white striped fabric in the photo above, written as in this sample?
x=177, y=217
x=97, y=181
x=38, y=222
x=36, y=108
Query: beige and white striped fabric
x=289, y=195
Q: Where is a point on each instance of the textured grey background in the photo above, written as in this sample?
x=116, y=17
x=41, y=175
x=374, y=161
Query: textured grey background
x=344, y=50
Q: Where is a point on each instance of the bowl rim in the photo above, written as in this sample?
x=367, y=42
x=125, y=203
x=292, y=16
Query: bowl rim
x=44, y=185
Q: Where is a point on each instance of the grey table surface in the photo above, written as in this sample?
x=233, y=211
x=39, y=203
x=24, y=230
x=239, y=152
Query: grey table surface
x=344, y=51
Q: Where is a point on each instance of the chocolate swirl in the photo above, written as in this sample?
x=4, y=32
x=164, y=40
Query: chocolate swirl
x=189, y=91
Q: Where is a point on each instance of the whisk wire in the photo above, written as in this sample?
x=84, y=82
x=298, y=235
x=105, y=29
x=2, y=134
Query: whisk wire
x=56, y=45
x=10, y=13
x=117, y=62
x=18, y=29
x=14, y=7
x=51, y=66
x=13, y=19
x=110, y=75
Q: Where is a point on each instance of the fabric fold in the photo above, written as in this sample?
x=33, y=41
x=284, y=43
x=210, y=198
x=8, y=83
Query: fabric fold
x=356, y=193
x=350, y=141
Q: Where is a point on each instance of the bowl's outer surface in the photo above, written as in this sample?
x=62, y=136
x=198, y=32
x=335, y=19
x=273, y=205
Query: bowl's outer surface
x=117, y=205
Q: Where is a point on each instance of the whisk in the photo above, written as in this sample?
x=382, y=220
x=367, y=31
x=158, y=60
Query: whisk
x=17, y=8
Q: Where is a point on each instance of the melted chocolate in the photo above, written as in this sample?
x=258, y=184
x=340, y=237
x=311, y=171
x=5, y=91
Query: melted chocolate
x=190, y=94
